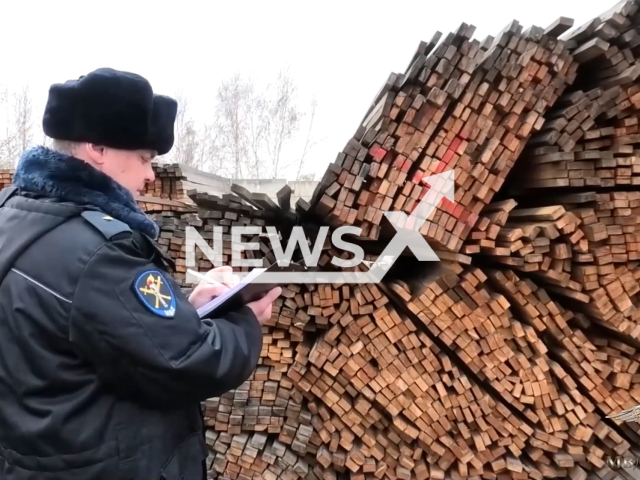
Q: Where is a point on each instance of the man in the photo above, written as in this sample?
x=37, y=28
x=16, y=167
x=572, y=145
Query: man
x=103, y=361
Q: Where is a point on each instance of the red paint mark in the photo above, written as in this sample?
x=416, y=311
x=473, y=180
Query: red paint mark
x=448, y=206
x=377, y=153
x=455, y=144
x=448, y=156
x=452, y=208
x=435, y=167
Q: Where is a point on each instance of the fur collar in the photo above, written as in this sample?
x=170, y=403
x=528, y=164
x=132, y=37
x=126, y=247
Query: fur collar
x=43, y=171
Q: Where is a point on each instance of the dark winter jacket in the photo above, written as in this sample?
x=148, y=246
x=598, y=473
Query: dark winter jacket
x=103, y=362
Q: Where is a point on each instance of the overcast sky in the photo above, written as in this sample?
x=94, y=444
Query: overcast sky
x=339, y=51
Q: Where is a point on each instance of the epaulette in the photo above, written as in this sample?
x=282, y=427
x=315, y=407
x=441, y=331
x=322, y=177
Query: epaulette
x=105, y=224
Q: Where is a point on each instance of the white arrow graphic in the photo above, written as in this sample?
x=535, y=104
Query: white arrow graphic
x=408, y=228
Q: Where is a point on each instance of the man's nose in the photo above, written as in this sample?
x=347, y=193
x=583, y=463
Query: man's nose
x=151, y=176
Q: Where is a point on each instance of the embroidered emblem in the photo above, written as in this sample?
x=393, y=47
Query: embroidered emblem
x=155, y=293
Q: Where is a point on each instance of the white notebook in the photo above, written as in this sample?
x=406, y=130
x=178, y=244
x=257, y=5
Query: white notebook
x=216, y=302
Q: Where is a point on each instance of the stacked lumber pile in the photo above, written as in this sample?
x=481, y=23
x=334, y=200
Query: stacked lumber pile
x=173, y=218
x=173, y=181
x=6, y=177
x=264, y=428
x=219, y=216
x=504, y=332
x=166, y=202
x=504, y=360
x=394, y=399
x=464, y=105
x=578, y=251
x=168, y=183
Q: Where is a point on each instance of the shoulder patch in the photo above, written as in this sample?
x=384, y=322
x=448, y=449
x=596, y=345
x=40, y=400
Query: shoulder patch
x=105, y=224
x=155, y=293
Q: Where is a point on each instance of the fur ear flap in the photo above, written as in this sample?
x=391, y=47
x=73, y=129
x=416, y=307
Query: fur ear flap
x=45, y=172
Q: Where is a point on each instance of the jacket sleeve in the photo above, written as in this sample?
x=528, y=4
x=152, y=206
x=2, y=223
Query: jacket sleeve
x=130, y=320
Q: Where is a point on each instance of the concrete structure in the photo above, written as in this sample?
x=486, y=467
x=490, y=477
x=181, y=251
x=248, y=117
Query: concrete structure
x=218, y=185
x=301, y=189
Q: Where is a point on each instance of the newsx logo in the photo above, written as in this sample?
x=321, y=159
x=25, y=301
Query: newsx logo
x=407, y=235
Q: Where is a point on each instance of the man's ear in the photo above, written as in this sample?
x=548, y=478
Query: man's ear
x=96, y=153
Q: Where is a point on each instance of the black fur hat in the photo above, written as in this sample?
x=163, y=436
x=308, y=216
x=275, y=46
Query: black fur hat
x=111, y=108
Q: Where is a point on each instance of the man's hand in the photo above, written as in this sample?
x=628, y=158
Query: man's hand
x=222, y=279
x=262, y=308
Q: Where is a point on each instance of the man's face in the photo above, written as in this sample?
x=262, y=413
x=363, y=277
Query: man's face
x=130, y=168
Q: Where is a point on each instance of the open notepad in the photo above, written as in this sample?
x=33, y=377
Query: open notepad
x=243, y=293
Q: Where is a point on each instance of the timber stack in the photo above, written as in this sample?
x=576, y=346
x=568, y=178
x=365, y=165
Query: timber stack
x=6, y=178
x=503, y=360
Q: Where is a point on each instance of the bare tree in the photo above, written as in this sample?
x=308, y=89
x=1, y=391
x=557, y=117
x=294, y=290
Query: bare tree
x=257, y=132
x=187, y=139
x=255, y=128
x=309, y=144
x=23, y=118
x=16, y=119
x=307, y=177
x=7, y=138
x=208, y=155
x=283, y=118
x=194, y=145
x=249, y=133
x=233, y=112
